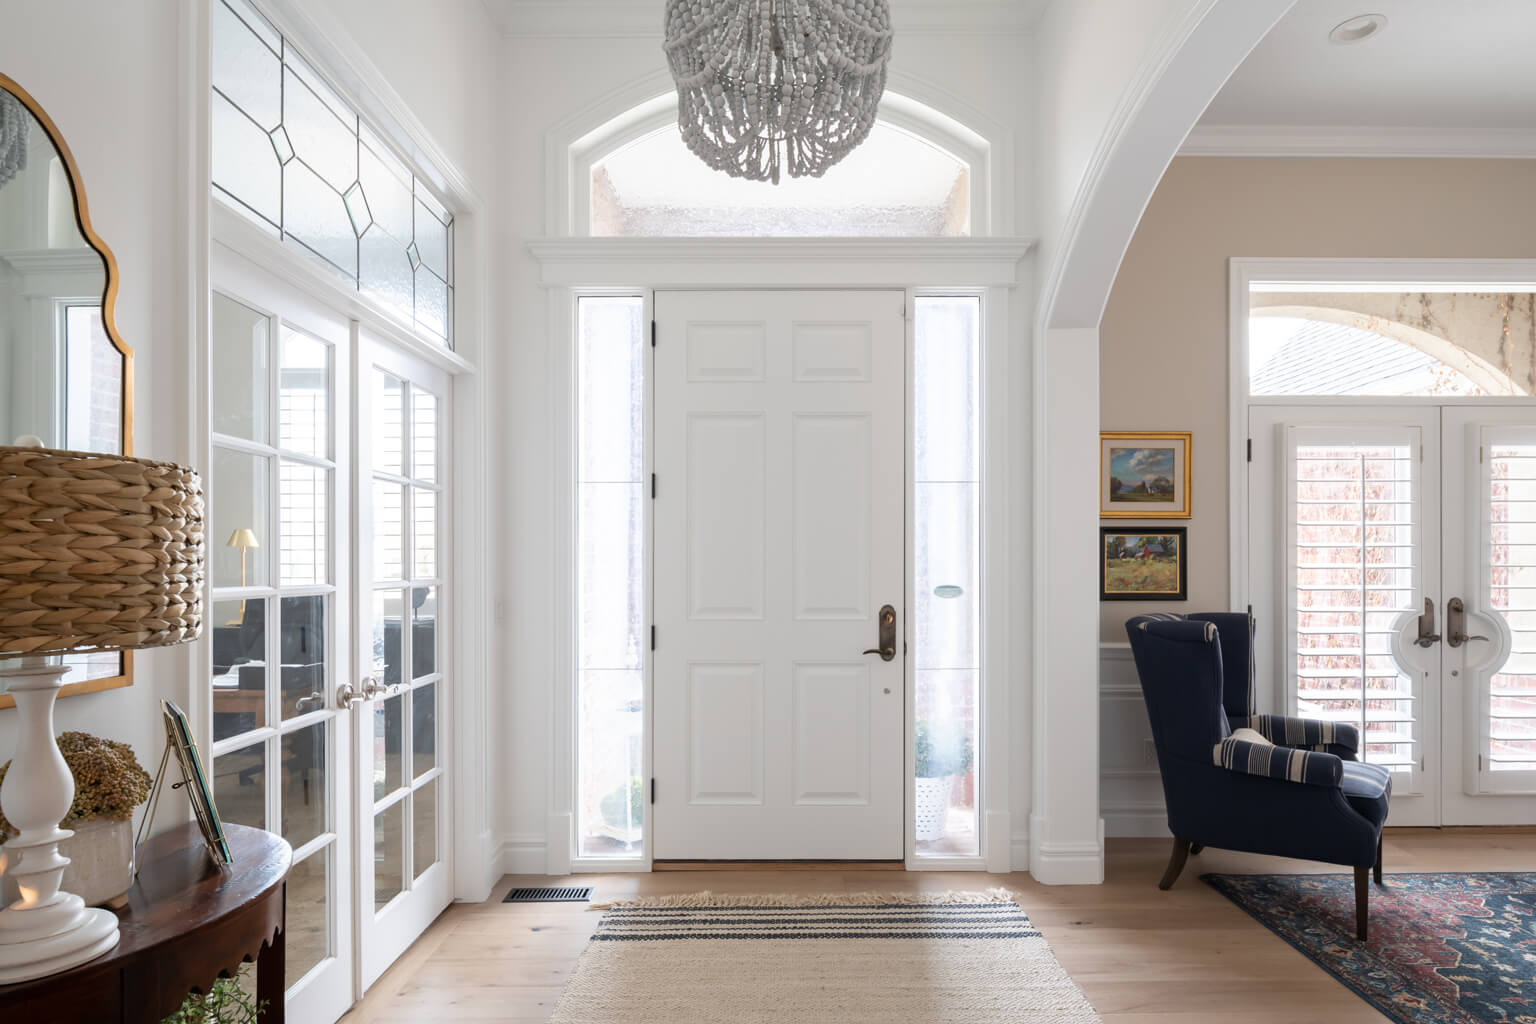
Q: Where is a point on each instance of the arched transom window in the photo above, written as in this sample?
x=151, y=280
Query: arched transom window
x=895, y=184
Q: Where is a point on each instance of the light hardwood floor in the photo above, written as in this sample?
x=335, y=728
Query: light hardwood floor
x=1141, y=956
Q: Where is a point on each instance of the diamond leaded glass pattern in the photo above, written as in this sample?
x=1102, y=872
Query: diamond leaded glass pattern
x=295, y=158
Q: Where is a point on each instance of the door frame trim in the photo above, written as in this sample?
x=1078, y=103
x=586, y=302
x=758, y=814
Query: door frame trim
x=989, y=268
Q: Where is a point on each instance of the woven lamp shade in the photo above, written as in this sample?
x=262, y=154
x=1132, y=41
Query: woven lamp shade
x=97, y=552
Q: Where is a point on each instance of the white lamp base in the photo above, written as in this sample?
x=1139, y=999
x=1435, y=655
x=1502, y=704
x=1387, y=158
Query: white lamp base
x=45, y=931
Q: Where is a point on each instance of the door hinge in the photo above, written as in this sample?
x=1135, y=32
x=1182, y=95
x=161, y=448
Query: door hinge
x=1250, y=449
x=1479, y=455
x=1479, y=763
x=653, y=789
x=653, y=334
x=653, y=485
x=653, y=638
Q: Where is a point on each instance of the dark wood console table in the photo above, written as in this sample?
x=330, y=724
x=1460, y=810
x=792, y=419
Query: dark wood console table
x=186, y=923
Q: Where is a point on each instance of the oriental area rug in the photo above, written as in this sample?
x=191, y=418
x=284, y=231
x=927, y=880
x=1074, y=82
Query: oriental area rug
x=951, y=958
x=1443, y=948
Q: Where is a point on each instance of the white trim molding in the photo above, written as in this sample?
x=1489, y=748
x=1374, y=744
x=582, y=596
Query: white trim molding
x=1354, y=141
x=779, y=262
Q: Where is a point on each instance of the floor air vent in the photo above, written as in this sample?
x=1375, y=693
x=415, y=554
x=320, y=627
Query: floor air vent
x=548, y=894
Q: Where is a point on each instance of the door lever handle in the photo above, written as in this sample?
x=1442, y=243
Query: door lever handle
x=1456, y=623
x=887, y=648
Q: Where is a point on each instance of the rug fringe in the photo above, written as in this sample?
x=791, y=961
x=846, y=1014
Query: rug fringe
x=822, y=899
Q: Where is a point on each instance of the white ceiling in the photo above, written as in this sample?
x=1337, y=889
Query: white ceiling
x=645, y=17
x=1441, y=65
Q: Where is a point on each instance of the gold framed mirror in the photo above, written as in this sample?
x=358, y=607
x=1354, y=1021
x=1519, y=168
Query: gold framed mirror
x=66, y=376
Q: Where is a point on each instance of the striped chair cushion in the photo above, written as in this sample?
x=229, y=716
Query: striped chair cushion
x=1304, y=732
x=1309, y=766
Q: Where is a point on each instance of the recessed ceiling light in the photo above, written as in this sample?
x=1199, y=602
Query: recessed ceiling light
x=1358, y=29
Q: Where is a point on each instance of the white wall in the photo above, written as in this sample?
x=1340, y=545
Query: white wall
x=548, y=80
x=107, y=75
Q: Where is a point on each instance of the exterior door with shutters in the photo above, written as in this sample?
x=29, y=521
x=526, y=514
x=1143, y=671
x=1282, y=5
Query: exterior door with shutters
x=1393, y=573
x=779, y=545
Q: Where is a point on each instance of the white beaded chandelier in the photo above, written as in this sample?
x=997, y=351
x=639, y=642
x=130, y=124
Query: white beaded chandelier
x=765, y=86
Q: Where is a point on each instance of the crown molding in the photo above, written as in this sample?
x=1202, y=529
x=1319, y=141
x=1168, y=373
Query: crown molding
x=1334, y=141
x=589, y=19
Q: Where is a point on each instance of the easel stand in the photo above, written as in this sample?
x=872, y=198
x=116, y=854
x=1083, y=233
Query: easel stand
x=213, y=834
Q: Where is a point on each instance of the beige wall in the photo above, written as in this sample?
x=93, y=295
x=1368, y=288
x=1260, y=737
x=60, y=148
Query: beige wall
x=1164, y=334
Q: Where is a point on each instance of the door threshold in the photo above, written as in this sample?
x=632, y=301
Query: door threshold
x=778, y=865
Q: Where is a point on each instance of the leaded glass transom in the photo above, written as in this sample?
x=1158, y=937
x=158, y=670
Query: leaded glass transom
x=295, y=159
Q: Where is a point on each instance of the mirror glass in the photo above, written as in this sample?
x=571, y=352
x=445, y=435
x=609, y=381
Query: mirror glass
x=62, y=377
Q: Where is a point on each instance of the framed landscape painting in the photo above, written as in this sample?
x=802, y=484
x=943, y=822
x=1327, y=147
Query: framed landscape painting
x=1143, y=563
x=1145, y=475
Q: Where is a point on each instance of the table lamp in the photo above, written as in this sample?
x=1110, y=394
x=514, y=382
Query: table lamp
x=97, y=553
x=244, y=539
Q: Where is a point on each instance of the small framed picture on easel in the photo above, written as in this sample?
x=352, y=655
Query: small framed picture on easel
x=178, y=742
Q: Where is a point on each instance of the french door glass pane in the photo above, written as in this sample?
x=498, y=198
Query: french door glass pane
x=239, y=488
x=304, y=791
x=388, y=530
x=423, y=729
x=946, y=573
x=308, y=926
x=388, y=737
x=424, y=527
x=388, y=853
x=1354, y=521
x=1512, y=593
x=239, y=667
x=424, y=631
x=239, y=343
x=424, y=435
x=424, y=828
x=240, y=785
x=610, y=601
x=303, y=497
x=389, y=426
x=304, y=381
x=303, y=639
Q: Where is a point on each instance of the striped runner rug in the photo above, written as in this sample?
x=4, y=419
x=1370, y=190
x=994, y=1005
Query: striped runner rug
x=951, y=958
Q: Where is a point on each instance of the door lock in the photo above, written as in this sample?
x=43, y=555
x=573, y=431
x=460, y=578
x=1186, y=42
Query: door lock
x=887, y=648
x=1427, y=636
x=1456, y=623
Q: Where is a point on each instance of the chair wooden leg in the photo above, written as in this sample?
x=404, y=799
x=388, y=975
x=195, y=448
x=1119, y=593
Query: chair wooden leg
x=1362, y=901
x=1175, y=863
x=1378, y=860
x=1194, y=849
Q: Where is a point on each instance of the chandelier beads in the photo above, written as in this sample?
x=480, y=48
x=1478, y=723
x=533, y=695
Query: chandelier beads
x=766, y=87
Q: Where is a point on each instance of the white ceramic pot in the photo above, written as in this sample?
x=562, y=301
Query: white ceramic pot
x=100, y=864
x=932, y=811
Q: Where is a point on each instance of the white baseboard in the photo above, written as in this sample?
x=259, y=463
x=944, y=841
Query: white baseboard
x=522, y=855
x=1065, y=863
x=1018, y=851
x=1139, y=821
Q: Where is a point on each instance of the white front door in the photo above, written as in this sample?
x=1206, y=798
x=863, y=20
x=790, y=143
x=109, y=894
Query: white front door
x=779, y=537
x=402, y=651
x=1391, y=548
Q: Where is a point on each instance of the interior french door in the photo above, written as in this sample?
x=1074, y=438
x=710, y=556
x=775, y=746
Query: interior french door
x=400, y=699
x=278, y=502
x=778, y=697
x=1389, y=570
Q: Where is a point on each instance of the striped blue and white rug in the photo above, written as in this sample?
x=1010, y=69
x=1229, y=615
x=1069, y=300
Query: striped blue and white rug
x=860, y=957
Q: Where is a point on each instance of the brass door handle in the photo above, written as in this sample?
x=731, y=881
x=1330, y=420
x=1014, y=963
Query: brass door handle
x=887, y=648
x=1456, y=623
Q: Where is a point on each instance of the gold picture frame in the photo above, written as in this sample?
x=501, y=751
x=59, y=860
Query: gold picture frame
x=1146, y=474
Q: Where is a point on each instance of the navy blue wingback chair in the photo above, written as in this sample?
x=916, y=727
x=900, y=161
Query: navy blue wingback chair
x=1300, y=794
